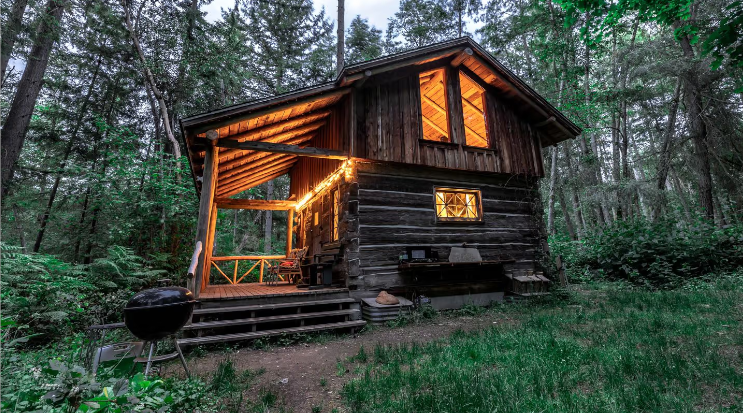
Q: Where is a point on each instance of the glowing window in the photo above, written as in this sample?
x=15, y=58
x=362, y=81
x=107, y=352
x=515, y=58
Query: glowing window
x=473, y=108
x=433, y=106
x=458, y=204
x=336, y=213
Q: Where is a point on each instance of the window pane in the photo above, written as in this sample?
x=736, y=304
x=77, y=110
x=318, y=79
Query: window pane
x=458, y=204
x=433, y=106
x=473, y=108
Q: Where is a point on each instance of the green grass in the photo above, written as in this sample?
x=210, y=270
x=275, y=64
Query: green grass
x=604, y=350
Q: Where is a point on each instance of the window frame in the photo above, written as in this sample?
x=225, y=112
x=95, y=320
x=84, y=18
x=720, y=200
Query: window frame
x=477, y=82
x=478, y=197
x=444, y=74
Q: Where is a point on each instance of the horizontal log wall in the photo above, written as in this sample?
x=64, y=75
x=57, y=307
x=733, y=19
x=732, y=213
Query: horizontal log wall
x=396, y=209
x=388, y=128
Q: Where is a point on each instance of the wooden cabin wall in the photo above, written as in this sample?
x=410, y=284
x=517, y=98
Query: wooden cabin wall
x=395, y=209
x=308, y=172
x=388, y=128
x=319, y=236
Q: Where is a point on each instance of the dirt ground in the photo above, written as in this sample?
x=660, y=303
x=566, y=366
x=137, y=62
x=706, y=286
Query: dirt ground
x=295, y=372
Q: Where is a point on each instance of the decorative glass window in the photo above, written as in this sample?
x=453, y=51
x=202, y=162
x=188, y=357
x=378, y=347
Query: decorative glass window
x=433, y=106
x=458, y=204
x=336, y=213
x=473, y=108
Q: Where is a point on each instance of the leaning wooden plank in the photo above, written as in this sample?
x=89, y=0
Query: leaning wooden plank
x=268, y=333
x=270, y=319
x=282, y=148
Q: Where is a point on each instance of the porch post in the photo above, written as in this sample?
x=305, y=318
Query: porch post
x=289, y=229
x=203, y=227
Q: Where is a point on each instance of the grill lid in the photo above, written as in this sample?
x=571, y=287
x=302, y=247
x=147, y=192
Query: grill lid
x=161, y=296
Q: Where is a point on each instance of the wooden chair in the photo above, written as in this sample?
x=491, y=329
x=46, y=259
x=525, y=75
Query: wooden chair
x=287, y=269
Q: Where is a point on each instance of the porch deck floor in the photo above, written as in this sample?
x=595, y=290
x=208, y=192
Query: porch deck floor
x=227, y=291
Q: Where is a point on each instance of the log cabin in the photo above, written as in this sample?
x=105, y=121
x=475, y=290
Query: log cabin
x=393, y=165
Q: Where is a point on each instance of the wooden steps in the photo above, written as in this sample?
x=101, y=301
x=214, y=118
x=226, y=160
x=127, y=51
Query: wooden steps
x=267, y=333
x=256, y=317
x=260, y=307
x=269, y=319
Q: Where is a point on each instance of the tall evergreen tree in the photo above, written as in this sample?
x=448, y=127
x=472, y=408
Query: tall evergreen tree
x=363, y=42
x=292, y=46
x=422, y=22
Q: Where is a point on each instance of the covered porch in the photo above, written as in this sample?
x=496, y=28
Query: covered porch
x=234, y=150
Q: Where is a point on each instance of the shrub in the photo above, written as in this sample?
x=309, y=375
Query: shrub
x=658, y=254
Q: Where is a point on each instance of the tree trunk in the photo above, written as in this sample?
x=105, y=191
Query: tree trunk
x=19, y=227
x=269, y=220
x=698, y=130
x=10, y=34
x=594, y=170
x=665, y=152
x=580, y=220
x=341, y=36
x=65, y=158
x=19, y=116
x=681, y=194
x=150, y=79
x=551, y=198
x=566, y=214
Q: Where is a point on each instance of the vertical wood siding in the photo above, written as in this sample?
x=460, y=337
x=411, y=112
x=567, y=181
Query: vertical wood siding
x=308, y=172
x=388, y=128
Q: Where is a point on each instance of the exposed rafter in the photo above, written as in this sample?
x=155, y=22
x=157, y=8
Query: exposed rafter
x=254, y=167
x=235, y=150
x=253, y=183
x=263, y=170
x=242, y=162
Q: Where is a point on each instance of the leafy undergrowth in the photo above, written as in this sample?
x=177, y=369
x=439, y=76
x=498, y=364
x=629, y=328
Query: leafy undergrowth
x=607, y=350
x=53, y=379
x=656, y=254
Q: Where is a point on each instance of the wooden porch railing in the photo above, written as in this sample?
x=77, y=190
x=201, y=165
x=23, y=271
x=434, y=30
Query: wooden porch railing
x=262, y=260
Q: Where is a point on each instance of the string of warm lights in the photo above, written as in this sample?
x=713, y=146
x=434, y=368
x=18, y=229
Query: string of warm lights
x=345, y=169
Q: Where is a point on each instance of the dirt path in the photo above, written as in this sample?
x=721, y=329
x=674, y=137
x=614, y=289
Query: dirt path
x=304, y=365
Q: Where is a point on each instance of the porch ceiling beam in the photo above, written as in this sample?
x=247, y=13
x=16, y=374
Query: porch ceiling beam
x=283, y=148
x=241, y=162
x=251, y=184
x=280, y=166
x=261, y=204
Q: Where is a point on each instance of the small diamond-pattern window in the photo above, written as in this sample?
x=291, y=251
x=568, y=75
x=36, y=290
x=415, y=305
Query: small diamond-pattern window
x=458, y=204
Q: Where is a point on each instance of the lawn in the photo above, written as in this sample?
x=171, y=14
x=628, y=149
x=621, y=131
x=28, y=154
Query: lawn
x=606, y=349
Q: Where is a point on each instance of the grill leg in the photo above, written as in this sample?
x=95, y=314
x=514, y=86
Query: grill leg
x=183, y=359
x=149, y=359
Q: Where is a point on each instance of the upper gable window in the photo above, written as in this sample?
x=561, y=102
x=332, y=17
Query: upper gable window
x=433, y=106
x=473, y=108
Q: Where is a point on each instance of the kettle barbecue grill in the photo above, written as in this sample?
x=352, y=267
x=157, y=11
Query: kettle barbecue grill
x=157, y=313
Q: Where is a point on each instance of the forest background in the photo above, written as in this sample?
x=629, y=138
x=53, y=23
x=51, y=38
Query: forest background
x=98, y=199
